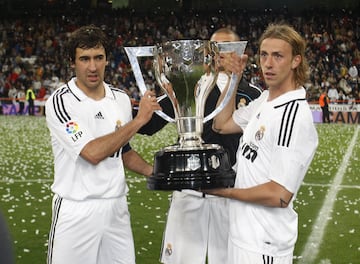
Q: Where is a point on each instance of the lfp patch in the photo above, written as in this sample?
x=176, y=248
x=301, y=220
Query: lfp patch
x=72, y=127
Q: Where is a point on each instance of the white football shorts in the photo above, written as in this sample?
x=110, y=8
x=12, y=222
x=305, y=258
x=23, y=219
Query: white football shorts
x=239, y=255
x=94, y=231
x=197, y=229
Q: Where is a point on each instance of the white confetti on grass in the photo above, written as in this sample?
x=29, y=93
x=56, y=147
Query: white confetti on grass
x=39, y=173
x=313, y=243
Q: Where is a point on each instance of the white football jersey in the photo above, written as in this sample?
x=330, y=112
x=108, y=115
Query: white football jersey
x=278, y=144
x=75, y=119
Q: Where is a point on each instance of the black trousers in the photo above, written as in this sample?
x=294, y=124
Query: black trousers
x=6, y=249
x=325, y=114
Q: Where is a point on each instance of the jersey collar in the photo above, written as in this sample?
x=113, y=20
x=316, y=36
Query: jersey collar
x=82, y=96
x=298, y=94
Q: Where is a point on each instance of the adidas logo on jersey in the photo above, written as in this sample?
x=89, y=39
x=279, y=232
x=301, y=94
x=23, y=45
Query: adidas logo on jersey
x=99, y=116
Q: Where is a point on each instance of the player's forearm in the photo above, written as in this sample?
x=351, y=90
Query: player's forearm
x=270, y=194
x=100, y=148
x=223, y=123
x=134, y=162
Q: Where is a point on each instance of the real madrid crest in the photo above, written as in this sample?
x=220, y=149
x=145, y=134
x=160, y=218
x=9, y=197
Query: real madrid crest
x=118, y=125
x=260, y=133
x=242, y=103
x=168, y=250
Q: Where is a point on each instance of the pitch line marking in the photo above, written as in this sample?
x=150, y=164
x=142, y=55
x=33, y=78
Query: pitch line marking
x=313, y=243
x=342, y=186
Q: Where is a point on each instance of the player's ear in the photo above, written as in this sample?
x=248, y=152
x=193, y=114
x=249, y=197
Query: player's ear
x=295, y=62
x=71, y=63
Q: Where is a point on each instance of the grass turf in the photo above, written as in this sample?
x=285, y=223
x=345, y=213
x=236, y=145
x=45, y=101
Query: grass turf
x=26, y=171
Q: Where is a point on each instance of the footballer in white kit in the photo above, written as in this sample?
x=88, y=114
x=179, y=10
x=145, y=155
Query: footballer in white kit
x=197, y=225
x=271, y=129
x=278, y=144
x=91, y=124
x=74, y=120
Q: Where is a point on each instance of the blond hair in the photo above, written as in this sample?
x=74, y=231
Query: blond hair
x=290, y=35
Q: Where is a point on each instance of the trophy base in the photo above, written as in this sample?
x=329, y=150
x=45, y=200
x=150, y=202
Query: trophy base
x=176, y=168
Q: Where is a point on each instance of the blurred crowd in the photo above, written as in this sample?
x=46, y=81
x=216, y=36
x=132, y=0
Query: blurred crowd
x=32, y=48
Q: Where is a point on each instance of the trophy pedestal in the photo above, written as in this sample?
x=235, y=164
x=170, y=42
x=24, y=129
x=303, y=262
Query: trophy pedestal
x=176, y=168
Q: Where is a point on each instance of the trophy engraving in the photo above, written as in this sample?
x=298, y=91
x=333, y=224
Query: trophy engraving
x=187, y=71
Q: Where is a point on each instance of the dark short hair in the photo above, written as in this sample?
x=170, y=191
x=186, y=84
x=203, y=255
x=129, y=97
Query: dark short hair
x=228, y=31
x=87, y=37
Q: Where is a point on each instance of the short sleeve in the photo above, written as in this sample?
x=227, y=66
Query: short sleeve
x=67, y=128
x=294, y=158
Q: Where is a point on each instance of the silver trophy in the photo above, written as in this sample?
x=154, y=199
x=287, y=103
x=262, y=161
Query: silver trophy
x=187, y=71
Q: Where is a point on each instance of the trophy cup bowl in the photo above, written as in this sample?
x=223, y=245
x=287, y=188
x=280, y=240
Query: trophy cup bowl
x=187, y=71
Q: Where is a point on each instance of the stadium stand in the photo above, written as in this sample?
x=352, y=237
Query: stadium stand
x=32, y=47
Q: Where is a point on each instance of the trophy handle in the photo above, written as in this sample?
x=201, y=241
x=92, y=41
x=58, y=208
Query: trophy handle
x=146, y=51
x=239, y=48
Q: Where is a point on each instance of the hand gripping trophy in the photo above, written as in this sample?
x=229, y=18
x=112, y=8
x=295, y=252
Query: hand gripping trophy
x=186, y=71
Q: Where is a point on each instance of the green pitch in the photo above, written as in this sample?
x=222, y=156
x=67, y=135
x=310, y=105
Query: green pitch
x=327, y=204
